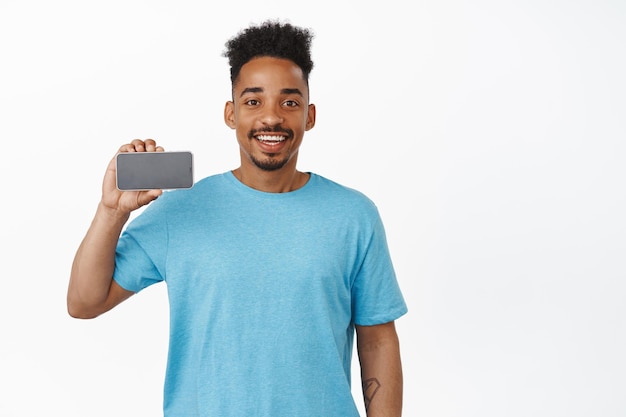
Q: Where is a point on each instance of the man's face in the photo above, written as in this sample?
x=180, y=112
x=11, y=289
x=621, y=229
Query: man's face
x=270, y=113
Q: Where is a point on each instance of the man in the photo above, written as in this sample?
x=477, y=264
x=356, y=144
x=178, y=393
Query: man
x=269, y=270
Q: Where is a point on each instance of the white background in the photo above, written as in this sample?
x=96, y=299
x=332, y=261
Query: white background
x=491, y=135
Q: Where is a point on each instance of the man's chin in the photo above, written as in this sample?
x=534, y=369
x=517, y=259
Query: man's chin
x=270, y=164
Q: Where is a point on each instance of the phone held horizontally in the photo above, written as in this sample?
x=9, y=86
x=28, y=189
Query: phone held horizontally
x=154, y=170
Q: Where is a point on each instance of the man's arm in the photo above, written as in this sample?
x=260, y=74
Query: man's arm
x=92, y=290
x=381, y=369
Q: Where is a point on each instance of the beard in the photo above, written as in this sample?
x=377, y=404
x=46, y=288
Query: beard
x=270, y=163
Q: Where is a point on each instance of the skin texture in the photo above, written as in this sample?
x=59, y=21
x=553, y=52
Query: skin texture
x=378, y=348
x=270, y=101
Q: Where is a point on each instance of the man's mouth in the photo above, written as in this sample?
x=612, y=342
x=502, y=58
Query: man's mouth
x=270, y=139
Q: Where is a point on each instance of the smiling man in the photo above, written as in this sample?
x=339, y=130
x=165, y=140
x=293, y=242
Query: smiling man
x=270, y=271
x=270, y=112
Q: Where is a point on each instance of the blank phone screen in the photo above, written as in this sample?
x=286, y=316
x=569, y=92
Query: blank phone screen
x=154, y=170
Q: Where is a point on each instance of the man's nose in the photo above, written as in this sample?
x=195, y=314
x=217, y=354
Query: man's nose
x=271, y=116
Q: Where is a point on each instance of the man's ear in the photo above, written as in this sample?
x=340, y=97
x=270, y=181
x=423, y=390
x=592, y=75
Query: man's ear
x=310, y=118
x=229, y=114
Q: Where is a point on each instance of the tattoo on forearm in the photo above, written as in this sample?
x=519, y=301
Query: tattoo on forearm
x=370, y=388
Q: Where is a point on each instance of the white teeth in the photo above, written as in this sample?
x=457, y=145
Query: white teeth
x=270, y=138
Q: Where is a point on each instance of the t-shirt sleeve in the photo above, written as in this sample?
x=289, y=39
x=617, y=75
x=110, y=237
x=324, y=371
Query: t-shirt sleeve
x=376, y=295
x=141, y=251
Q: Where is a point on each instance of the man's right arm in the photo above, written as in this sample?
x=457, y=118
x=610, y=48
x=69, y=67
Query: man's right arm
x=92, y=290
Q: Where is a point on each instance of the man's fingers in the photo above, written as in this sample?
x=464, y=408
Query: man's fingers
x=150, y=145
x=140, y=145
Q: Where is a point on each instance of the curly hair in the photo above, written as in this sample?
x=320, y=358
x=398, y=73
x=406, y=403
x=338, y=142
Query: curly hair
x=270, y=38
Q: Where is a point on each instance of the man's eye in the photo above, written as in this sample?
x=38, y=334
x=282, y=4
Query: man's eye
x=252, y=102
x=291, y=103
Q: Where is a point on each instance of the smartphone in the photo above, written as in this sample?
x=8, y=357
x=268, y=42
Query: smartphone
x=154, y=170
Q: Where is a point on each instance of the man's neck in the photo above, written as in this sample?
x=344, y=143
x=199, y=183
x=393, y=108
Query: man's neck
x=278, y=181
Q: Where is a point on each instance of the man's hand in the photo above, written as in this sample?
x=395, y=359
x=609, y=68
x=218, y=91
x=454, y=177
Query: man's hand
x=121, y=203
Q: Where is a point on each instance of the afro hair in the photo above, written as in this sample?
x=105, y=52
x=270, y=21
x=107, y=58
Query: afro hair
x=274, y=39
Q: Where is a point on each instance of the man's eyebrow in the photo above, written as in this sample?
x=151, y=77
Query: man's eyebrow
x=251, y=90
x=260, y=90
x=291, y=91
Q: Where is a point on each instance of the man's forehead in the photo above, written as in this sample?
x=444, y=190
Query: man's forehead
x=268, y=75
x=268, y=68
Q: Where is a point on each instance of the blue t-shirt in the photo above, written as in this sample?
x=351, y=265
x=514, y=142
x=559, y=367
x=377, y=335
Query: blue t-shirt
x=264, y=292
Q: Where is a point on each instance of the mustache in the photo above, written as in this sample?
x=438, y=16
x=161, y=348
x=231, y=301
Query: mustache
x=271, y=129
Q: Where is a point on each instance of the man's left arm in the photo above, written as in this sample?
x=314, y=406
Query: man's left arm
x=381, y=369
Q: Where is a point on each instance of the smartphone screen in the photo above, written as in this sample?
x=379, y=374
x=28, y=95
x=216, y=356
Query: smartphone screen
x=154, y=170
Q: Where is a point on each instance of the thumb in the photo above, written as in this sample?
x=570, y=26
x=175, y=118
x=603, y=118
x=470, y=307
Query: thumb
x=148, y=196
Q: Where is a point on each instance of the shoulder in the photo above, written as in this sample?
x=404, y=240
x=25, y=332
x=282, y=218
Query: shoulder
x=342, y=194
